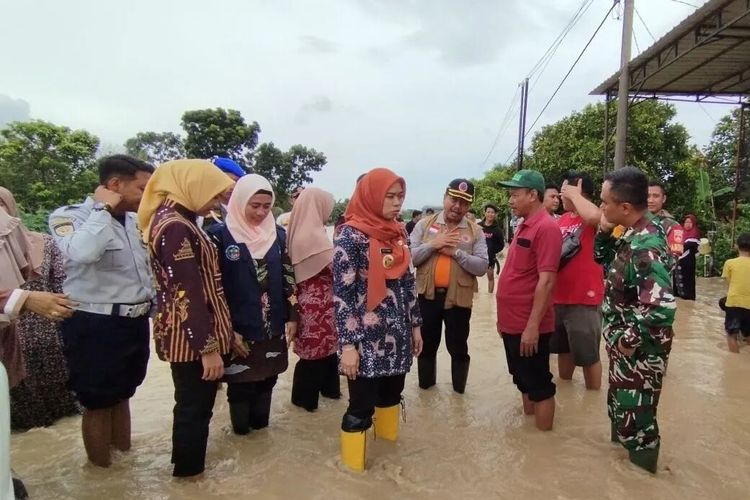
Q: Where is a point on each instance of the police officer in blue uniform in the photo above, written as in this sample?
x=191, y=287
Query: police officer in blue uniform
x=106, y=341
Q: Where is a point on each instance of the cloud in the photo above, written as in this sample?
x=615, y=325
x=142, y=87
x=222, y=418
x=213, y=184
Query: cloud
x=316, y=45
x=318, y=105
x=13, y=110
x=458, y=37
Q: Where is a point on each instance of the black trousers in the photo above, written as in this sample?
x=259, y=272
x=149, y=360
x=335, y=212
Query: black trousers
x=313, y=377
x=367, y=393
x=456, y=321
x=193, y=409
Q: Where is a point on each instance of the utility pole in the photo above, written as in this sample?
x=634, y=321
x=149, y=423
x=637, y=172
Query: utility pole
x=624, y=84
x=522, y=121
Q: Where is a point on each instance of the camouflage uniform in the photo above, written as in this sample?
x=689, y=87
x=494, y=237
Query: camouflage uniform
x=638, y=309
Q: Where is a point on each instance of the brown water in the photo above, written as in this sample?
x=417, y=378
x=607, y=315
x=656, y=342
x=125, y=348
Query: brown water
x=478, y=445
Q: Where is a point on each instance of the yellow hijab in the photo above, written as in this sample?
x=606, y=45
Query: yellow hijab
x=191, y=183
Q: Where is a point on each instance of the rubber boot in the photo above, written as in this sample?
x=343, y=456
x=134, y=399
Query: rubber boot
x=645, y=459
x=459, y=374
x=260, y=410
x=331, y=387
x=426, y=371
x=387, y=422
x=239, y=414
x=304, y=388
x=354, y=442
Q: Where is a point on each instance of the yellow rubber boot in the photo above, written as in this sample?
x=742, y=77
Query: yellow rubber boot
x=387, y=422
x=353, y=449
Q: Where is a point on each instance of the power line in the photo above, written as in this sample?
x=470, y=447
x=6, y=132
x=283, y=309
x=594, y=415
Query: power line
x=549, y=101
x=637, y=46
x=644, y=24
x=539, y=67
x=687, y=3
x=503, y=126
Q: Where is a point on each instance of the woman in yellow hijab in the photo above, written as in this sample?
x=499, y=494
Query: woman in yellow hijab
x=192, y=327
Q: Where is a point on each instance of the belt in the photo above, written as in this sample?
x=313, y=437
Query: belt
x=126, y=310
x=441, y=290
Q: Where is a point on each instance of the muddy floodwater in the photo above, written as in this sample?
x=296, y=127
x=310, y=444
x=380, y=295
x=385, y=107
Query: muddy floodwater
x=478, y=445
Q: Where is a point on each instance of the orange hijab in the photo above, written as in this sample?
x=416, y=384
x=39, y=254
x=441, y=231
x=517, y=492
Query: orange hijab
x=389, y=256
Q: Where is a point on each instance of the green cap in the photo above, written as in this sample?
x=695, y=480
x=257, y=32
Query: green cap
x=529, y=179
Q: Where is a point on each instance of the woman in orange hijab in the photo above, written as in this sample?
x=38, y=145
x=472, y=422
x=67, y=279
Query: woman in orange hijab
x=376, y=311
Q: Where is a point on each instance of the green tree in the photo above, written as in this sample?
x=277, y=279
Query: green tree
x=156, y=147
x=338, y=210
x=46, y=165
x=656, y=144
x=220, y=132
x=721, y=160
x=287, y=170
x=487, y=190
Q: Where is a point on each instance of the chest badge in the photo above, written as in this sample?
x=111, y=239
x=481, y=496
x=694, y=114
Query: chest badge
x=233, y=253
x=388, y=261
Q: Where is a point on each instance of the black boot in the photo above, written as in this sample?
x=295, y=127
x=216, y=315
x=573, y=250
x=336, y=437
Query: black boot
x=331, y=386
x=260, y=410
x=426, y=371
x=304, y=388
x=19, y=490
x=459, y=374
x=239, y=413
x=645, y=459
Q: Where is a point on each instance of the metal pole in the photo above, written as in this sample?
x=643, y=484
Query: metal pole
x=606, y=135
x=522, y=121
x=740, y=157
x=624, y=84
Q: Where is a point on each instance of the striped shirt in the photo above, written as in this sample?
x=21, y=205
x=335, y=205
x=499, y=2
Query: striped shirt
x=192, y=315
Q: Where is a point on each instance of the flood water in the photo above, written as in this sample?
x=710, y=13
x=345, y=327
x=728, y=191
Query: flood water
x=478, y=445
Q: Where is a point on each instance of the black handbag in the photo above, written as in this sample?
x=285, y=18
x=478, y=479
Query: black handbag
x=571, y=245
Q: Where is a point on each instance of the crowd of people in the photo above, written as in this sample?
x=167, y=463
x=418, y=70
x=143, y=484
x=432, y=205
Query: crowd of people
x=190, y=253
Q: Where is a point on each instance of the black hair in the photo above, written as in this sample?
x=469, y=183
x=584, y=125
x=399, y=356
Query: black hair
x=629, y=185
x=743, y=242
x=493, y=207
x=121, y=166
x=659, y=184
x=551, y=186
x=429, y=211
x=416, y=213
x=587, y=183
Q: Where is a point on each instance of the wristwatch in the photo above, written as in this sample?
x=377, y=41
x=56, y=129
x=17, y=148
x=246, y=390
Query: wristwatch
x=99, y=206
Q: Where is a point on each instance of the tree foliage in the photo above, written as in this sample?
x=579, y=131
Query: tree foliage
x=220, y=132
x=156, y=147
x=287, y=170
x=46, y=165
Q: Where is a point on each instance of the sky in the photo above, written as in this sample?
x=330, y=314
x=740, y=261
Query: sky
x=419, y=86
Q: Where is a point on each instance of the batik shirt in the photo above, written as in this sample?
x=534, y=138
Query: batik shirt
x=639, y=305
x=383, y=335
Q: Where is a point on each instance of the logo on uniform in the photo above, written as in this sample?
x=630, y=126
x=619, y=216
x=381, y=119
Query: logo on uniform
x=233, y=253
x=465, y=238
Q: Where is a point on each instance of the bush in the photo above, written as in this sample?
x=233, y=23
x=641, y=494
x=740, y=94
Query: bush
x=36, y=221
x=723, y=247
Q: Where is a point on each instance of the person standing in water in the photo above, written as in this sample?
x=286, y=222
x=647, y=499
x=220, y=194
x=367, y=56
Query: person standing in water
x=377, y=314
x=493, y=235
x=736, y=304
x=258, y=281
x=311, y=254
x=192, y=327
x=638, y=311
x=106, y=341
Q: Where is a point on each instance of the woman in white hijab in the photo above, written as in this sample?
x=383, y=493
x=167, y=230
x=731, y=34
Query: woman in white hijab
x=258, y=281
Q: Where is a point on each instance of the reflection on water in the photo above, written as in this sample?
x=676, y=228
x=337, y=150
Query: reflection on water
x=476, y=445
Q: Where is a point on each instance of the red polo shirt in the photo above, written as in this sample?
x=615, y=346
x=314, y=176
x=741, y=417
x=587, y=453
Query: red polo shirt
x=535, y=248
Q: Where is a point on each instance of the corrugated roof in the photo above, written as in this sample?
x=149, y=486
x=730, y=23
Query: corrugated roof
x=706, y=54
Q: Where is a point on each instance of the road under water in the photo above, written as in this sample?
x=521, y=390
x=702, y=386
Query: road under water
x=476, y=445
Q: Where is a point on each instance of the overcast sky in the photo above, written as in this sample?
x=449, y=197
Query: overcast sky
x=420, y=86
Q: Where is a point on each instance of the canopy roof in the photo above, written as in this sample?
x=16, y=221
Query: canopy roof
x=707, y=54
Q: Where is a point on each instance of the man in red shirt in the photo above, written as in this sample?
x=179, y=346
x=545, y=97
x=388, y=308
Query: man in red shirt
x=580, y=284
x=525, y=317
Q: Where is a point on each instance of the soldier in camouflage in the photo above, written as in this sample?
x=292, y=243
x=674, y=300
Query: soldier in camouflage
x=638, y=312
